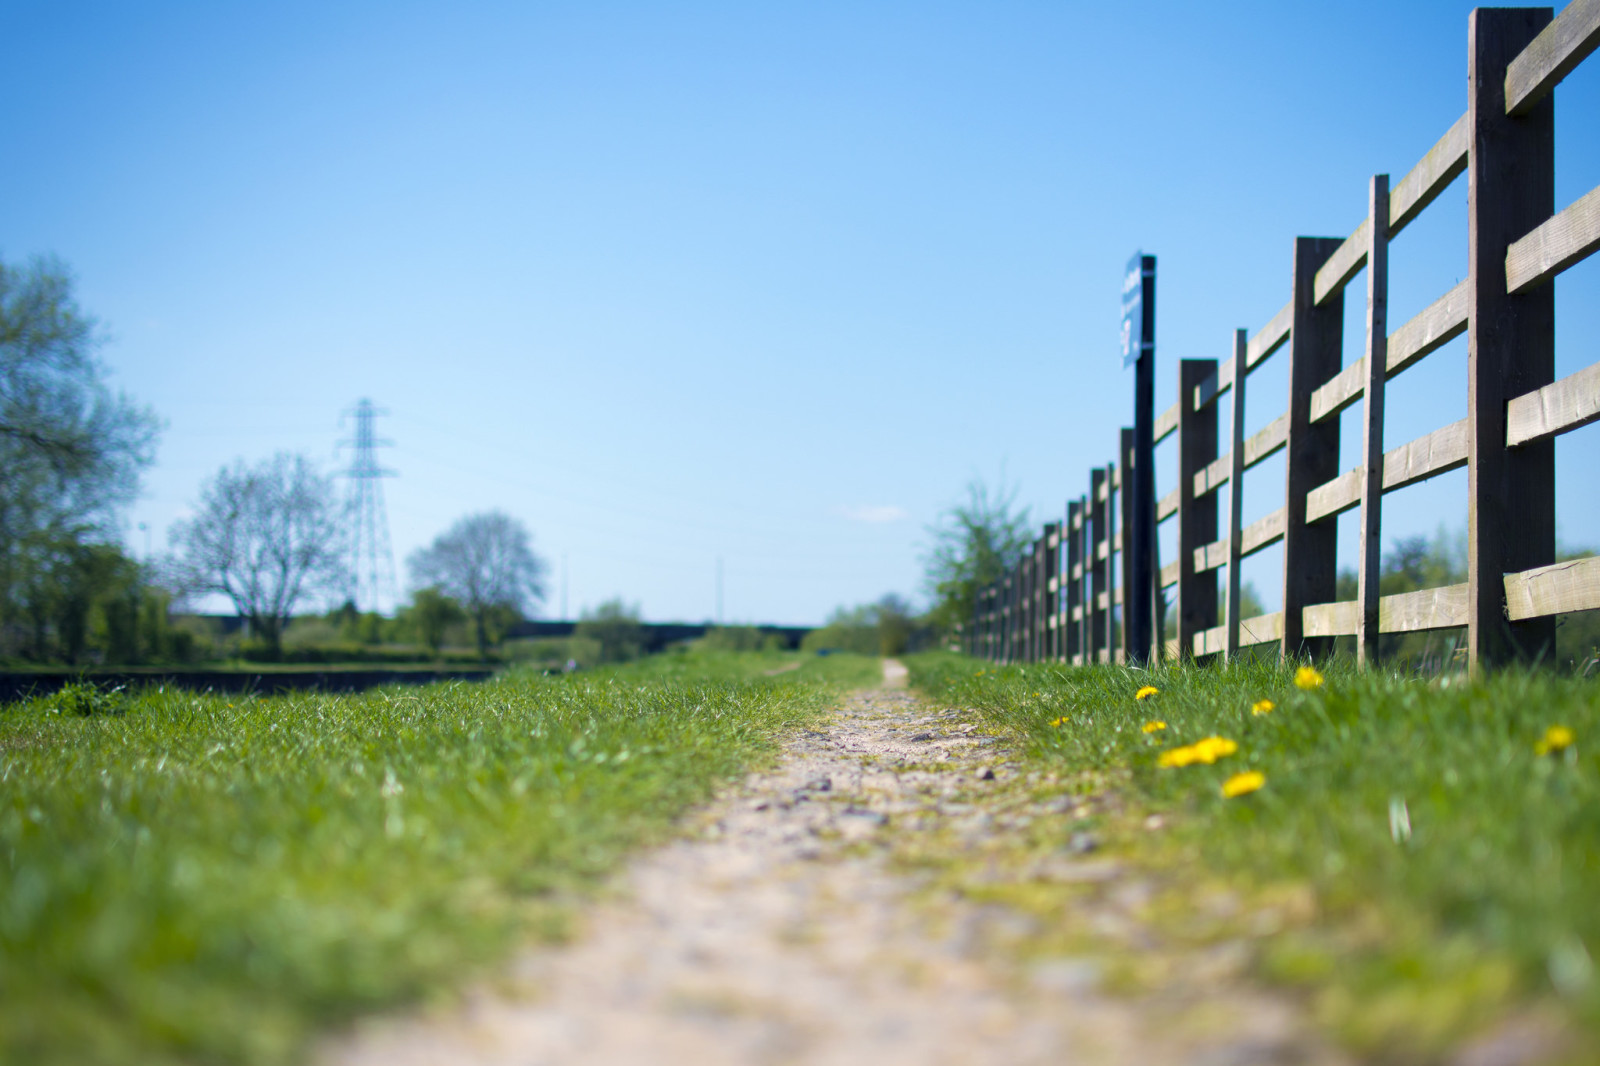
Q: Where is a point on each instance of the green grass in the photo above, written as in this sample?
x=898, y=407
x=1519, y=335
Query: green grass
x=1455, y=872
x=211, y=879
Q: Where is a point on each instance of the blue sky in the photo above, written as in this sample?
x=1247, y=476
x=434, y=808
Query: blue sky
x=764, y=282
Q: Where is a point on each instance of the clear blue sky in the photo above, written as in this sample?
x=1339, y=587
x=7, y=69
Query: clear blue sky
x=769, y=282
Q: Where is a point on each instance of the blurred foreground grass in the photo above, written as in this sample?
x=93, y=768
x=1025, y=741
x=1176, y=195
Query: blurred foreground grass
x=1445, y=838
x=191, y=878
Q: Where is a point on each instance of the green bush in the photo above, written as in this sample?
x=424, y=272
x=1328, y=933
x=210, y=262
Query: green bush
x=84, y=699
x=615, y=627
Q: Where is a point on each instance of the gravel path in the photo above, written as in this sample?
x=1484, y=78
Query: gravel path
x=787, y=926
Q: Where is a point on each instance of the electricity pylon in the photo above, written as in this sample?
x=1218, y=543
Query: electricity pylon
x=372, y=581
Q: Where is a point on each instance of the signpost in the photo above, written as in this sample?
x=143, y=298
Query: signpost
x=1139, y=352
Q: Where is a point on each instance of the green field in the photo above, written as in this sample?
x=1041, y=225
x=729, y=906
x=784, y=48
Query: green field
x=1450, y=853
x=192, y=878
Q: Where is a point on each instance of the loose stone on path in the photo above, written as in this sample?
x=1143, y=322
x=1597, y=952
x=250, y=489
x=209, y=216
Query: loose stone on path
x=781, y=929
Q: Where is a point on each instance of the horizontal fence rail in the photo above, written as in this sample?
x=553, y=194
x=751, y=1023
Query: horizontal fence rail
x=1062, y=600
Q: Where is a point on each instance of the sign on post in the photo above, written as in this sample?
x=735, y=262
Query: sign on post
x=1139, y=612
x=1136, y=340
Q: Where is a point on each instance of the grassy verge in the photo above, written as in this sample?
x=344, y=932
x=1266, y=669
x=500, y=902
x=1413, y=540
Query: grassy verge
x=190, y=878
x=1449, y=859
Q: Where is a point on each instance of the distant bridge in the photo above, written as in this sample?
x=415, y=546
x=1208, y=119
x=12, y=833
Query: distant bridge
x=657, y=635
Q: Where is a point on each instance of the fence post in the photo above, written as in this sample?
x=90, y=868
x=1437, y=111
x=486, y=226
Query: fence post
x=1073, y=534
x=1377, y=351
x=1052, y=592
x=1241, y=347
x=997, y=621
x=1031, y=613
x=1196, y=593
x=1112, y=645
x=1008, y=612
x=1019, y=618
x=1041, y=596
x=1014, y=615
x=1310, y=551
x=1098, y=565
x=991, y=599
x=980, y=628
x=1127, y=460
x=988, y=622
x=1029, y=610
x=1510, y=340
x=1049, y=571
x=1086, y=581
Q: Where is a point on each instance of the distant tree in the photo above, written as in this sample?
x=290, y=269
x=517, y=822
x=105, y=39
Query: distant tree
x=853, y=629
x=431, y=614
x=974, y=543
x=485, y=562
x=267, y=537
x=71, y=450
x=1249, y=603
x=895, y=623
x=1410, y=564
x=615, y=627
x=888, y=627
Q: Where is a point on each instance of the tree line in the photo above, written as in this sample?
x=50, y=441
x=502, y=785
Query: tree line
x=269, y=537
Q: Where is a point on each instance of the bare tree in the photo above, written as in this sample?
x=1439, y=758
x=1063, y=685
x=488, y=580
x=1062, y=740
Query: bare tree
x=485, y=561
x=267, y=537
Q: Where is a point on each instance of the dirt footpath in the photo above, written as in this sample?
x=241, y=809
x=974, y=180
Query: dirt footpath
x=792, y=924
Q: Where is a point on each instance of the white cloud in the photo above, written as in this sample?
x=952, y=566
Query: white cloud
x=876, y=514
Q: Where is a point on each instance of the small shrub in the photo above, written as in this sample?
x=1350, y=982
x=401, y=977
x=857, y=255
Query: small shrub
x=84, y=699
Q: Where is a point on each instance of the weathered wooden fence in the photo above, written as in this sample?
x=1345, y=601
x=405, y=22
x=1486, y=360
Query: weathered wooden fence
x=1059, y=602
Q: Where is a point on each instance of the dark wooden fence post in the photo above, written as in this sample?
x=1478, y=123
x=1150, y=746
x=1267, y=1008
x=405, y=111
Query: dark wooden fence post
x=1051, y=627
x=1030, y=574
x=997, y=621
x=1036, y=618
x=1241, y=371
x=1310, y=551
x=1002, y=618
x=1196, y=592
x=1073, y=533
x=1376, y=351
x=1127, y=457
x=983, y=621
x=1031, y=604
x=1019, y=625
x=1097, y=565
x=1510, y=340
x=1014, y=618
x=1114, y=535
x=991, y=621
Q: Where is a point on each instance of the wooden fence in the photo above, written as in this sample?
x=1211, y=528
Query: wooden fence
x=1058, y=603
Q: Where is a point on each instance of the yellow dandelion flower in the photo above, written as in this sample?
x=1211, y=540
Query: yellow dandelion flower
x=1059, y=722
x=1211, y=749
x=1177, y=757
x=1239, y=784
x=1307, y=678
x=1146, y=692
x=1153, y=727
x=1556, y=738
x=1262, y=707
